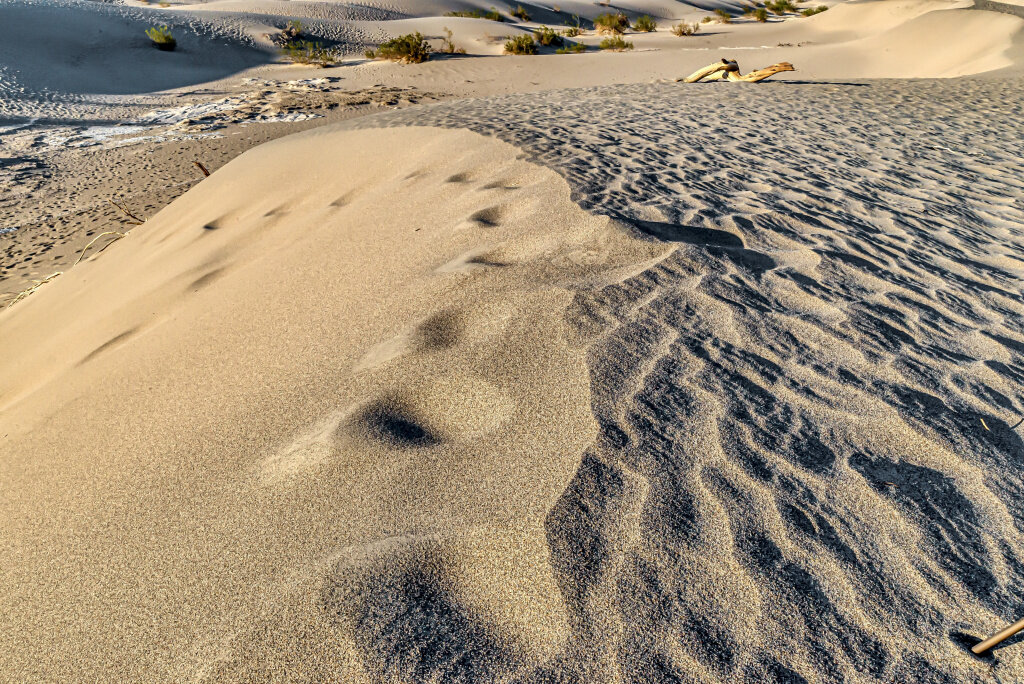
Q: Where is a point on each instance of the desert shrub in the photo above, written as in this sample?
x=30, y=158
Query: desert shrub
x=685, y=29
x=761, y=14
x=645, y=24
x=292, y=31
x=780, y=7
x=448, y=45
x=306, y=52
x=571, y=32
x=476, y=14
x=615, y=43
x=161, y=37
x=811, y=11
x=520, y=13
x=707, y=20
x=723, y=16
x=408, y=49
x=521, y=45
x=546, y=36
x=611, y=23
x=571, y=48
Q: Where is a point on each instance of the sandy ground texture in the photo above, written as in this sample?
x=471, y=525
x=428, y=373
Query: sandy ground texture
x=633, y=382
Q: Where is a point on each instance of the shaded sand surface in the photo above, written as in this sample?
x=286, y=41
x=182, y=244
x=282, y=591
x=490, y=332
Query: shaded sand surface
x=386, y=406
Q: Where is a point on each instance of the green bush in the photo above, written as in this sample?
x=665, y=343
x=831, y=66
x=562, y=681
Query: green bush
x=571, y=32
x=811, y=11
x=723, y=16
x=611, y=23
x=761, y=14
x=780, y=7
x=521, y=45
x=645, y=24
x=408, y=49
x=305, y=52
x=615, y=43
x=685, y=29
x=476, y=14
x=707, y=20
x=162, y=37
x=571, y=48
x=546, y=36
x=520, y=13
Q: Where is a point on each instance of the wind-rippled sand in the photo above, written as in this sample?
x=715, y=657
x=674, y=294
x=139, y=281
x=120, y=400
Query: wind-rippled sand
x=385, y=406
x=806, y=466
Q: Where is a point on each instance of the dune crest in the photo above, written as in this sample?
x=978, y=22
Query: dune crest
x=432, y=463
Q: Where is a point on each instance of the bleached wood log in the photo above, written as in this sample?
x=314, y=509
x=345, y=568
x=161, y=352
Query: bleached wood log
x=729, y=70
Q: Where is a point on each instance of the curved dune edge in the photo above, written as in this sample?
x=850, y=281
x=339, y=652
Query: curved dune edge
x=330, y=377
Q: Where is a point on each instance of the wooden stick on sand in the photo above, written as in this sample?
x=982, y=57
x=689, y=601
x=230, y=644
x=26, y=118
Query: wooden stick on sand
x=998, y=637
x=729, y=70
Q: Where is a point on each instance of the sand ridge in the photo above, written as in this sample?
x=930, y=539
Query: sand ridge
x=672, y=383
x=434, y=441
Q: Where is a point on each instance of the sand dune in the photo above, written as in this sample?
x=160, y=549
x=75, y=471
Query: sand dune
x=631, y=382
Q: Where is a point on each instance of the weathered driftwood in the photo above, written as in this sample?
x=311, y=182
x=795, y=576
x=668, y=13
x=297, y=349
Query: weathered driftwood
x=998, y=637
x=729, y=70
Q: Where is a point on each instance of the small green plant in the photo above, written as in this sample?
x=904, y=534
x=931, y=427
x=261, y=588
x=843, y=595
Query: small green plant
x=780, y=7
x=723, y=16
x=761, y=14
x=520, y=13
x=546, y=36
x=645, y=24
x=571, y=32
x=685, y=29
x=306, y=52
x=448, y=45
x=571, y=48
x=611, y=23
x=521, y=45
x=408, y=49
x=811, y=11
x=476, y=14
x=707, y=20
x=161, y=37
x=615, y=44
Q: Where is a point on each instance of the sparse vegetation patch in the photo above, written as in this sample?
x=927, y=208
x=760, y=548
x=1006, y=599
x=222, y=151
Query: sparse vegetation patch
x=520, y=13
x=161, y=37
x=476, y=14
x=521, y=45
x=448, y=45
x=811, y=11
x=571, y=48
x=611, y=23
x=645, y=24
x=615, y=44
x=307, y=52
x=546, y=36
x=411, y=48
x=723, y=16
x=685, y=29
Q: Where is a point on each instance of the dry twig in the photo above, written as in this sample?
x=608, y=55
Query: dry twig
x=123, y=207
x=91, y=242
